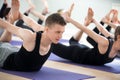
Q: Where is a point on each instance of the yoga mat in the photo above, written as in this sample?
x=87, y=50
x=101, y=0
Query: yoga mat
x=113, y=67
x=15, y=42
x=49, y=74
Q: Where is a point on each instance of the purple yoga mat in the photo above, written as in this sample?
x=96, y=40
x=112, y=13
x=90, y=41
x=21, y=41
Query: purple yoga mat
x=49, y=74
x=113, y=67
x=16, y=43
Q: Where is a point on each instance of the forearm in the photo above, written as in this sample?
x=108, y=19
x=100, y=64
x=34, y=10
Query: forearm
x=45, y=3
x=8, y=25
x=37, y=14
x=112, y=25
x=78, y=35
x=78, y=25
x=31, y=23
x=82, y=27
x=90, y=33
x=102, y=29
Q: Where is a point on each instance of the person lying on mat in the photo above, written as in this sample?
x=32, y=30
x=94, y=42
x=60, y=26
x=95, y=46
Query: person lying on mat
x=98, y=29
x=36, y=46
x=111, y=20
x=103, y=52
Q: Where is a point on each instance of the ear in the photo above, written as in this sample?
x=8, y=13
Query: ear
x=46, y=28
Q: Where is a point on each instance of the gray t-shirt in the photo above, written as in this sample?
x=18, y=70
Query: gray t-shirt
x=5, y=50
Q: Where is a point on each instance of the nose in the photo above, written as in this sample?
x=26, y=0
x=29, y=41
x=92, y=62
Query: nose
x=60, y=35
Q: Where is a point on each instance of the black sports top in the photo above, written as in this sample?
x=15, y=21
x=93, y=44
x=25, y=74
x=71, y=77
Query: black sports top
x=25, y=60
x=92, y=55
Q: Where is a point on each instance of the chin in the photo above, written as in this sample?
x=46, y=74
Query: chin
x=55, y=42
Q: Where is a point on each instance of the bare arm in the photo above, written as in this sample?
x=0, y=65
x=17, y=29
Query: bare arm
x=78, y=35
x=111, y=24
x=37, y=14
x=96, y=37
x=102, y=29
x=15, y=30
x=32, y=23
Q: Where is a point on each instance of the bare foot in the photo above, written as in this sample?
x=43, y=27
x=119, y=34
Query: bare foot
x=89, y=17
x=67, y=14
x=107, y=18
x=115, y=17
x=5, y=1
x=14, y=13
x=71, y=9
x=28, y=10
x=45, y=11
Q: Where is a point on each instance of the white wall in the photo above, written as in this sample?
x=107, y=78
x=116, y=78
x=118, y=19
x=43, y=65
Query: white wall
x=100, y=8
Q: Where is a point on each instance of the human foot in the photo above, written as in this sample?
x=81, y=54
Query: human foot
x=89, y=17
x=14, y=13
x=107, y=18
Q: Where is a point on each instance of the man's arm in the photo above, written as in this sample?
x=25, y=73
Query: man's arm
x=96, y=37
x=32, y=23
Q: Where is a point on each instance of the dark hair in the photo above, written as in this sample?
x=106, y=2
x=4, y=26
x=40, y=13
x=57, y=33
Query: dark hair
x=55, y=18
x=117, y=32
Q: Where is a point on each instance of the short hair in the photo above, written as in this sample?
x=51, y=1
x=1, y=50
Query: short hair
x=55, y=18
x=117, y=32
x=60, y=10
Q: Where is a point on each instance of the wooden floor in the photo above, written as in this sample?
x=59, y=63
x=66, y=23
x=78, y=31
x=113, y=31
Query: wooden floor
x=99, y=75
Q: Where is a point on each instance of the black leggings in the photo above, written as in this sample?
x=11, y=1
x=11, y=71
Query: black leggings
x=40, y=21
x=79, y=53
x=74, y=52
x=4, y=6
x=20, y=23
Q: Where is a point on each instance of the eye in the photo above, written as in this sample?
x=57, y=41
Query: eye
x=118, y=51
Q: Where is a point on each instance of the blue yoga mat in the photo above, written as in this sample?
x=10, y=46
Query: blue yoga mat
x=112, y=67
x=49, y=74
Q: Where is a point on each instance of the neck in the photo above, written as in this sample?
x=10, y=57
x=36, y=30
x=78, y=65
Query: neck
x=113, y=52
x=45, y=41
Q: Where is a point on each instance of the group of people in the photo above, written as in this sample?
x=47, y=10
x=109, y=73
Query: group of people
x=40, y=41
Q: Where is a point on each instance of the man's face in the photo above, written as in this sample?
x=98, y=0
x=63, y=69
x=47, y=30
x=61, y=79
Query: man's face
x=55, y=32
